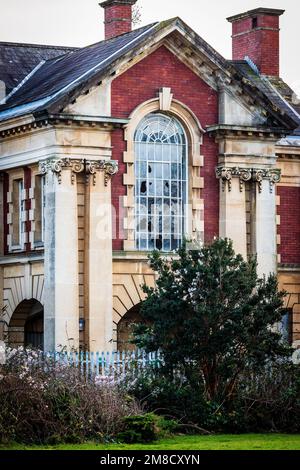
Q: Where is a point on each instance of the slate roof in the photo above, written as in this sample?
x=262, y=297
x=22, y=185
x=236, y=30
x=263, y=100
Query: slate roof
x=70, y=69
x=18, y=60
x=274, y=88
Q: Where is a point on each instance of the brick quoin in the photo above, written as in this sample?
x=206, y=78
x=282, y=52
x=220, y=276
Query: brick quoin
x=141, y=83
x=289, y=229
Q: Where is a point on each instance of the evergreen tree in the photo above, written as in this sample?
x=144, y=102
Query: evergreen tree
x=211, y=316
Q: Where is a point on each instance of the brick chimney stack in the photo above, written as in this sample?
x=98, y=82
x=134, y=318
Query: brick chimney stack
x=255, y=34
x=117, y=17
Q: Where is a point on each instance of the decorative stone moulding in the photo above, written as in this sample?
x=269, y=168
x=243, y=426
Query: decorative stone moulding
x=257, y=175
x=274, y=176
x=89, y=167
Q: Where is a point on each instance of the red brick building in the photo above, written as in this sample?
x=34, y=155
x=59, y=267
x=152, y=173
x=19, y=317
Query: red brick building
x=131, y=144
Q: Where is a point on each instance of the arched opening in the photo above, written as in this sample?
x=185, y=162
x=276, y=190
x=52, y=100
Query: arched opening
x=161, y=186
x=193, y=133
x=125, y=329
x=26, y=327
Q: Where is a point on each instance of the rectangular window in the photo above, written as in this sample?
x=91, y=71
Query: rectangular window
x=287, y=326
x=18, y=226
x=39, y=213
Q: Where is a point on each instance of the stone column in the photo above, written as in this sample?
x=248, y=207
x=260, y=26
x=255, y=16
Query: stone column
x=99, y=257
x=61, y=298
x=2, y=316
x=265, y=220
x=233, y=207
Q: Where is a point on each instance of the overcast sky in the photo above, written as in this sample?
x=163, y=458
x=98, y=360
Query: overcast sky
x=80, y=22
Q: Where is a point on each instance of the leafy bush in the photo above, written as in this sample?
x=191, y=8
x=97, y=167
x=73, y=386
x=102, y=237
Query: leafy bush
x=145, y=428
x=46, y=402
x=211, y=316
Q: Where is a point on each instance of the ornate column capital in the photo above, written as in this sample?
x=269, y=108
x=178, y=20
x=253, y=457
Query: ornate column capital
x=273, y=175
x=110, y=168
x=76, y=166
x=226, y=174
x=257, y=175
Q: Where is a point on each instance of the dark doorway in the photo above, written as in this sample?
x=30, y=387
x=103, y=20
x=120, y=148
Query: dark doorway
x=34, y=331
x=26, y=327
x=125, y=329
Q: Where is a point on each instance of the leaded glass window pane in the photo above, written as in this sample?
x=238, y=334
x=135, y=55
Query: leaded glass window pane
x=161, y=183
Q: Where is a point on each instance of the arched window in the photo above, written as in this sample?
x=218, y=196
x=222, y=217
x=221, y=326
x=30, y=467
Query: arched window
x=161, y=183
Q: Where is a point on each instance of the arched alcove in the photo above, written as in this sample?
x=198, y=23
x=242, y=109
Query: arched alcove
x=26, y=326
x=125, y=328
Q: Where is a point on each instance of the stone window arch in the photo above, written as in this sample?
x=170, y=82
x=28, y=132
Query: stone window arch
x=161, y=185
x=166, y=105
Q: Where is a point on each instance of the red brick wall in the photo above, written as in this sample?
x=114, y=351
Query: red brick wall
x=261, y=45
x=118, y=20
x=241, y=26
x=289, y=229
x=141, y=83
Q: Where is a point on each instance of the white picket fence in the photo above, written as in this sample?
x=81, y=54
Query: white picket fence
x=108, y=364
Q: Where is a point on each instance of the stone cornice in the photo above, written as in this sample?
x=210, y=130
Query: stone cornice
x=257, y=175
x=21, y=258
x=107, y=3
x=228, y=130
x=22, y=125
x=289, y=267
x=89, y=167
x=256, y=12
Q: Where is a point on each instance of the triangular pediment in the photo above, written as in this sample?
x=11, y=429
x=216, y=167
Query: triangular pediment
x=240, y=104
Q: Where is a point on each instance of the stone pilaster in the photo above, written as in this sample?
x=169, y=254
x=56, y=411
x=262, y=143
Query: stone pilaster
x=265, y=220
x=99, y=259
x=61, y=309
x=61, y=253
x=233, y=212
x=233, y=206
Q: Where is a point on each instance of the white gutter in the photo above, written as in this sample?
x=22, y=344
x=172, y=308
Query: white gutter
x=27, y=108
x=49, y=98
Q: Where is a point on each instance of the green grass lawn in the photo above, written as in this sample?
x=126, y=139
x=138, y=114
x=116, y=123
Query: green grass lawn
x=215, y=442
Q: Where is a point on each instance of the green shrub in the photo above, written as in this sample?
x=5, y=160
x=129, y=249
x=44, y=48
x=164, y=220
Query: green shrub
x=145, y=428
x=266, y=400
